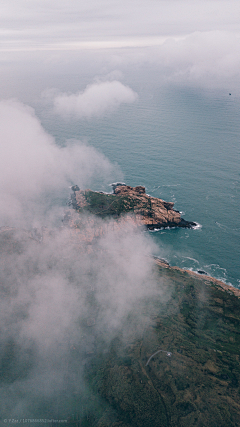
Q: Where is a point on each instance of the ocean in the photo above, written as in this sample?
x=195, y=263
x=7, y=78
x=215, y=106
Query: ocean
x=182, y=144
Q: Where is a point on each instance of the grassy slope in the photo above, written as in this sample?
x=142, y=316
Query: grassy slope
x=105, y=205
x=199, y=384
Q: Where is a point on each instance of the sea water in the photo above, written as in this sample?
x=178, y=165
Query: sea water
x=182, y=144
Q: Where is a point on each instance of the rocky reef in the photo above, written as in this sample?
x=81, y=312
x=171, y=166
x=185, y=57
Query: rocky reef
x=149, y=211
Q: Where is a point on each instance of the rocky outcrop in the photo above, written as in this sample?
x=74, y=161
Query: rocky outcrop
x=149, y=211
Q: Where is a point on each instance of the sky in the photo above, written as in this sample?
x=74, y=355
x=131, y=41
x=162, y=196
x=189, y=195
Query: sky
x=36, y=24
x=187, y=42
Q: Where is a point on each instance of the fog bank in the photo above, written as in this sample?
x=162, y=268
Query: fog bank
x=35, y=173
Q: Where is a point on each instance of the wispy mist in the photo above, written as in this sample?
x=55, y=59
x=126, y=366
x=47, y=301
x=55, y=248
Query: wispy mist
x=64, y=299
x=66, y=292
x=34, y=171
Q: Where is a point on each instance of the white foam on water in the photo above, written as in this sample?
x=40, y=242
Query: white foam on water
x=161, y=229
x=218, y=272
x=221, y=225
x=197, y=226
x=169, y=185
x=192, y=259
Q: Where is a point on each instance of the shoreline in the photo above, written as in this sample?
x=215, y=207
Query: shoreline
x=208, y=280
x=39, y=234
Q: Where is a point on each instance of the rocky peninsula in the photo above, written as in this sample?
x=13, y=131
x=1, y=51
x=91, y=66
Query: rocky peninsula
x=152, y=212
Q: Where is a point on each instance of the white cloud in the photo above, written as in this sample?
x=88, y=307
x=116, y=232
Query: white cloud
x=49, y=293
x=201, y=58
x=31, y=164
x=96, y=100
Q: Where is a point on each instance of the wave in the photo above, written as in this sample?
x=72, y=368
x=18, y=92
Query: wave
x=192, y=259
x=161, y=229
x=226, y=227
x=221, y=225
x=219, y=273
x=169, y=185
x=210, y=274
x=197, y=226
x=165, y=185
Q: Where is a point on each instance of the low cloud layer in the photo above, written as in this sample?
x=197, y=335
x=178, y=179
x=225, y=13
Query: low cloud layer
x=63, y=302
x=34, y=171
x=96, y=100
x=66, y=292
x=184, y=42
x=200, y=59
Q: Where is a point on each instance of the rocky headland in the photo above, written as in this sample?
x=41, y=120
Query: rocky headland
x=180, y=368
x=149, y=211
x=184, y=369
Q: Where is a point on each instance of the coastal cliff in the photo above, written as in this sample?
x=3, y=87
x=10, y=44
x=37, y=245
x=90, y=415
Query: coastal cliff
x=184, y=369
x=149, y=211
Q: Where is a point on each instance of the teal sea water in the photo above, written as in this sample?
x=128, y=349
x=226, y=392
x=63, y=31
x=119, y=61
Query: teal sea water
x=183, y=145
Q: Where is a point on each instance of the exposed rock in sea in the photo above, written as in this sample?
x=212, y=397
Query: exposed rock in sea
x=148, y=211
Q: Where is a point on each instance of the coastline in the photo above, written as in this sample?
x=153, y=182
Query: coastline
x=208, y=280
x=178, y=357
